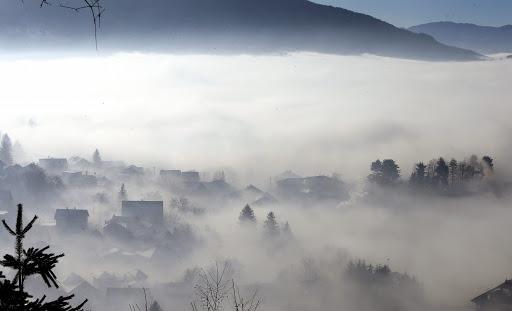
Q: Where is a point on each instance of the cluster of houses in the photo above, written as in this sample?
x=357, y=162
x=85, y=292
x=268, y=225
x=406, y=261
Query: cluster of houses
x=144, y=220
x=76, y=220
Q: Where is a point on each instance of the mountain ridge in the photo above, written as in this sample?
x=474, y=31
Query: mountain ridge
x=483, y=39
x=236, y=25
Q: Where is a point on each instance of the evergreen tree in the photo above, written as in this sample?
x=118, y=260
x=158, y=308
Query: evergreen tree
x=270, y=225
x=442, y=171
x=453, y=165
x=123, y=195
x=26, y=263
x=376, y=171
x=96, y=158
x=287, y=231
x=384, y=173
x=462, y=171
x=390, y=171
x=488, y=162
x=474, y=168
x=247, y=215
x=6, y=150
x=419, y=176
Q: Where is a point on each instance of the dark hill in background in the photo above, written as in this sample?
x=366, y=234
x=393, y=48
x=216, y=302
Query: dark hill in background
x=221, y=26
x=484, y=39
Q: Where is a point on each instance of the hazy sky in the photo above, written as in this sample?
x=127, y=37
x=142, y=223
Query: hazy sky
x=406, y=13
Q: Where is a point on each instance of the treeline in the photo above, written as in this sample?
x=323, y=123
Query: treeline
x=438, y=174
x=270, y=226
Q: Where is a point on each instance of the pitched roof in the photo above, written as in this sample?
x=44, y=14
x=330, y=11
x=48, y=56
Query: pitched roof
x=253, y=189
x=504, y=289
x=66, y=212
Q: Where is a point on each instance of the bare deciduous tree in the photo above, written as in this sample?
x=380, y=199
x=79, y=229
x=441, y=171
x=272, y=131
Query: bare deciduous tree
x=94, y=7
x=212, y=291
x=212, y=288
x=241, y=303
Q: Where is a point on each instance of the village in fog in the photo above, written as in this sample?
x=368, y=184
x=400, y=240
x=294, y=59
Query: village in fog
x=136, y=235
x=255, y=155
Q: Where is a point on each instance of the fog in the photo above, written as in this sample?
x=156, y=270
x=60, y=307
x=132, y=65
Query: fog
x=259, y=114
x=254, y=117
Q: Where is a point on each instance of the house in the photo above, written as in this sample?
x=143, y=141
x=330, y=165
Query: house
x=117, y=231
x=190, y=177
x=170, y=176
x=496, y=299
x=218, y=188
x=265, y=200
x=150, y=211
x=286, y=175
x=54, y=165
x=71, y=220
x=79, y=179
x=84, y=291
x=314, y=188
x=134, y=171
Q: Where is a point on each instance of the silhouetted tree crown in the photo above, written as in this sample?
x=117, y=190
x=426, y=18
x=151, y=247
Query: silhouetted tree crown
x=270, y=225
x=247, y=215
x=123, y=194
x=6, y=150
x=454, y=177
x=441, y=172
x=287, y=231
x=488, y=161
x=453, y=166
x=418, y=176
x=386, y=172
x=96, y=158
x=26, y=263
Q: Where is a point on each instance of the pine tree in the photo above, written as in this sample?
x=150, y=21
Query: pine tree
x=287, y=231
x=474, y=169
x=390, y=171
x=488, y=162
x=462, y=171
x=419, y=176
x=453, y=165
x=247, y=215
x=384, y=173
x=376, y=171
x=26, y=263
x=123, y=195
x=6, y=150
x=96, y=158
x=270, y=225
x=442, y=171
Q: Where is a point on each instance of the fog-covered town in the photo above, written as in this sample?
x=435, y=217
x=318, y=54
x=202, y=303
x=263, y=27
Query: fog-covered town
x=255, y=155
x=136, y=235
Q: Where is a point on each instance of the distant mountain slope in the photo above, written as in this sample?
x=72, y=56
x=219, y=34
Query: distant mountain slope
x=483, y=39
x=225, y=26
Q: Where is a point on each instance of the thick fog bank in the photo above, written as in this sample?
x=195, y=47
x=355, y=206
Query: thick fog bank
x=260, y=114
x=445, y=236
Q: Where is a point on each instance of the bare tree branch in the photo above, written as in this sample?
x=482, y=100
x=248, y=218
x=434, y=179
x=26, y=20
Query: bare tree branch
x=94, y=7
